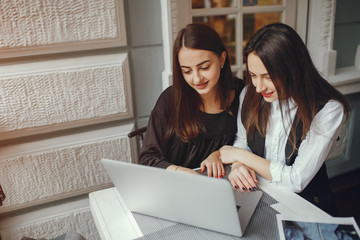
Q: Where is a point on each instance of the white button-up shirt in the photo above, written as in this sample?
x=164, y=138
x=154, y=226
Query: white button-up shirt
x=313, y=149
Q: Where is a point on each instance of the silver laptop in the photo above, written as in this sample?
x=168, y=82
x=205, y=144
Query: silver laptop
x=196, y=200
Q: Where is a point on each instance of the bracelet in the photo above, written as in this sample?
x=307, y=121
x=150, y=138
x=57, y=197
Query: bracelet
x=176, y=168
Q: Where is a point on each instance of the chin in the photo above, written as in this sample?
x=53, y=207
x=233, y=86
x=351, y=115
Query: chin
x=270, y=100
x=201, y=91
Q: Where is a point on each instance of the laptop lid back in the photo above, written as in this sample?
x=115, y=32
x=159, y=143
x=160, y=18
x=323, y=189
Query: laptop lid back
x=181, y=197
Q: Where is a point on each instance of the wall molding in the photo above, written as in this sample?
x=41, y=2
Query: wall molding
x=60, y=26
x=167, y=26
x=52, y=221
x=57, y=168
x=45, y=96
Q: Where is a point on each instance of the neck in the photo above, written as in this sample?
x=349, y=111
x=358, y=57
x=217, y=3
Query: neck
x=211, y=103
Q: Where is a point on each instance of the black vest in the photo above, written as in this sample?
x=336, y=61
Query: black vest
x=318, y=191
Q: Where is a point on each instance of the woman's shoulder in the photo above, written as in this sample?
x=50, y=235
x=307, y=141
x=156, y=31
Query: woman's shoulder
x=238, y=85
x=329, y=118
x=332, y=106
x=243, y=93
x=163, y=102
x=166, y=94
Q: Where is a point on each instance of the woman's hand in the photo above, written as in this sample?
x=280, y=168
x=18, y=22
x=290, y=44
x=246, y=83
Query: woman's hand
x=253, y=162
x=228, y=154
x=242, y=177
x=176, y=168
x=213, y=165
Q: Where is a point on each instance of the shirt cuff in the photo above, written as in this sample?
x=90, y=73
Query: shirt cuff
x=275, y=171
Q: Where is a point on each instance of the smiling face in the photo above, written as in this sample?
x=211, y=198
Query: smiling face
x=201, y=69
x=261, y=79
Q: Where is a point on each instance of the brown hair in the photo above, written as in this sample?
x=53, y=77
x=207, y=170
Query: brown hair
x=293, y=74
x=185, y=117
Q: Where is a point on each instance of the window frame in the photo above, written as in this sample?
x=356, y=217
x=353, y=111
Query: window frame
x=320, y=44
x=185, y=13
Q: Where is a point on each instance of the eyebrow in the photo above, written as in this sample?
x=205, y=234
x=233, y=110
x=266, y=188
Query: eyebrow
x=196, y=65
x=263, y=74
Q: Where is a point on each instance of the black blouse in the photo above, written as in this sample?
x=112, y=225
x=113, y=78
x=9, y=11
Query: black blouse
x=220, y=128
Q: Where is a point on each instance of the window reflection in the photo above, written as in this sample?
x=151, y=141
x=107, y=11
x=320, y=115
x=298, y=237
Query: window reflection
x=213, y=3
x=255, y=21
x=224, y=25
x=261, y=2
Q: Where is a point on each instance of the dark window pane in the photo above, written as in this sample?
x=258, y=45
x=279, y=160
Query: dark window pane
x=253, y=22
x=224, y=25
x=261, y=2
x=212, y=3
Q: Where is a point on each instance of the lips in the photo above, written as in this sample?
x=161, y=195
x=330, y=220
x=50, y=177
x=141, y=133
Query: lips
x=267, y=95
x=202, y=85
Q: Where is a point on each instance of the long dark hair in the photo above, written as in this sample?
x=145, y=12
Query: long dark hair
x=294, y=75
x=185, y=117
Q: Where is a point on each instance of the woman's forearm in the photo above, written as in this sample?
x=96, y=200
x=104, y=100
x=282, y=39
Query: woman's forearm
x=261, y=166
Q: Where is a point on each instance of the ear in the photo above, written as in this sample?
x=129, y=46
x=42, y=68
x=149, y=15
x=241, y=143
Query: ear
x=223, y=58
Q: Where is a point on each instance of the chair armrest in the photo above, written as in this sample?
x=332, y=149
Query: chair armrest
x=137, y=132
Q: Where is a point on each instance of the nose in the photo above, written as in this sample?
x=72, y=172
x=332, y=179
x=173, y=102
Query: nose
x=260, y=86
x=196, y=77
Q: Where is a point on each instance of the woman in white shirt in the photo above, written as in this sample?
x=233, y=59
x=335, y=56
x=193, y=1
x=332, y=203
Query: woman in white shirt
x=288, y=118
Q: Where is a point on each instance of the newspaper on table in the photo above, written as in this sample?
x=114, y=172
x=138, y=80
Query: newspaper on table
x=329, y=228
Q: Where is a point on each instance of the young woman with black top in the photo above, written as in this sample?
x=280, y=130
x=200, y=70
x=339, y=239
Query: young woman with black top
x=288, y=118
x=195, y=116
